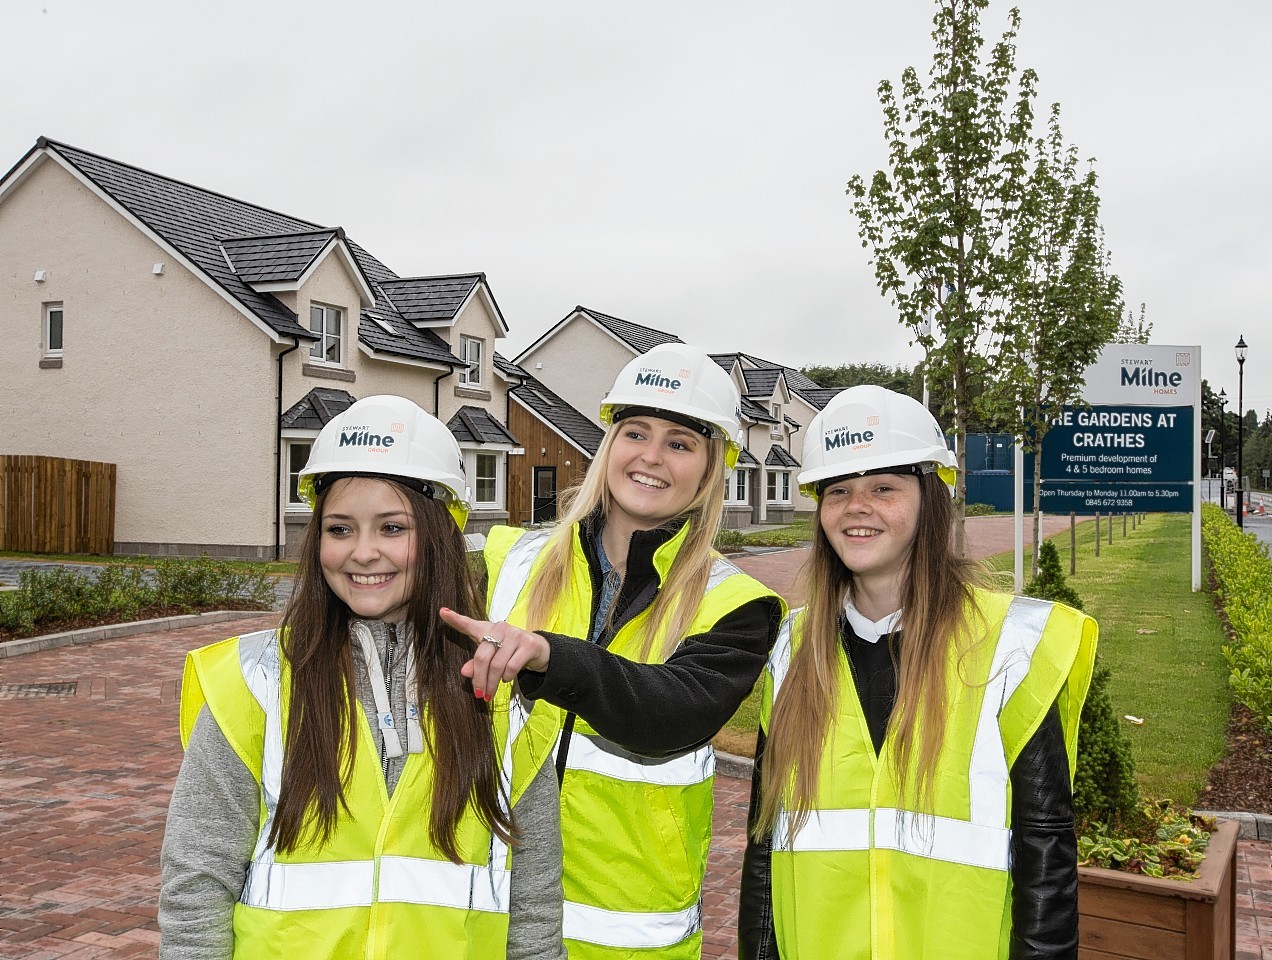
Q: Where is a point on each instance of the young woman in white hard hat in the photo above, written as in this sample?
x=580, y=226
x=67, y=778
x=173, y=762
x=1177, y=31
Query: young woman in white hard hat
x=343, y=794
x=647, y=642
x=913, y=781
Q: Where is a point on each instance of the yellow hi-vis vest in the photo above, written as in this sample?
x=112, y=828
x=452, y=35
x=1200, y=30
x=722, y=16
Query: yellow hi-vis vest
x=378, y=888
x=868, y=878
x=635, y=831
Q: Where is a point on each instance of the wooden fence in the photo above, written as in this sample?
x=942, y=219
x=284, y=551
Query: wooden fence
x=53, y=505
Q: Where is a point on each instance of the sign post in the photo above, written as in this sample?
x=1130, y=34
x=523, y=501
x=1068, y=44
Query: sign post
x=1137, y=447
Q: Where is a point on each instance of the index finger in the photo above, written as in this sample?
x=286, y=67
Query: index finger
x=473, y=629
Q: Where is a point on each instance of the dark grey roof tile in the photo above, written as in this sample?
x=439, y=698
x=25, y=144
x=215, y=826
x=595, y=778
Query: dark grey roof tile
x=779, y=457
x=317, y=408
x=279, y=259
x=475, y=425
x=636, y=336
x=425, y=299
x=535, y=396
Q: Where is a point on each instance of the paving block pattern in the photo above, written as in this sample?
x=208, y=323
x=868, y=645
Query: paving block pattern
x=85, y=779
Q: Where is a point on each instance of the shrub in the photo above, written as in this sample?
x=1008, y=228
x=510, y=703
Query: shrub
x=979, y=510
x=1243, y=583
x=15, y=614
x=1050, y=584
x=203, y=582
x=1104, y=785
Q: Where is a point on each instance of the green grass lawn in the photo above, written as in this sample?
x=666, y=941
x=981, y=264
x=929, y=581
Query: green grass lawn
x=1172, y=675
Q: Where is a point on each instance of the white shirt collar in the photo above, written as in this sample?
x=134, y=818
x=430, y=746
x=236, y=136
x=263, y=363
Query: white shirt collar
x=867, y=629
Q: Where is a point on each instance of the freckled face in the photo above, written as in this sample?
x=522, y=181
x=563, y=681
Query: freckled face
x=655, y=471
x=367, y=549
x=871, y=522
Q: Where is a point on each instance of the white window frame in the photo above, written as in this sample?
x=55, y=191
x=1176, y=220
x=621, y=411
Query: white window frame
x=50, y=309
x=318, y=351
x=290, y=476
x=740, y=477
x=470, y=373
x=776, y=431
x=778, y=486
x=470, y=467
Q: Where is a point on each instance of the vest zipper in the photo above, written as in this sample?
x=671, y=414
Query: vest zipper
x=390, y=649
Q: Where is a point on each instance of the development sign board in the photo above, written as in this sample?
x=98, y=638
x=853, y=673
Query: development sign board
x=1133, y=449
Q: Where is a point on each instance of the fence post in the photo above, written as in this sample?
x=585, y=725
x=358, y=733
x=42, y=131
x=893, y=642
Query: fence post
x=1073, y=542
x=1097, y=534
x=1123, y=526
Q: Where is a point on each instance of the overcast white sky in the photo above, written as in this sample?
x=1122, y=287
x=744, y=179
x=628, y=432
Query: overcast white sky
x=677, y=164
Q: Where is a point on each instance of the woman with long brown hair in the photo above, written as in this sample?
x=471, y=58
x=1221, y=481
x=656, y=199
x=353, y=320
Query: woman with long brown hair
x=342, y=794
x=912, y=794
x=645, y=641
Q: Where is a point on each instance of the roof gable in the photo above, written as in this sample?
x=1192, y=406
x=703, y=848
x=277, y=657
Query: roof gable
x=317, y=408
x=215, y=237
x=475, y=425
x=636, y=338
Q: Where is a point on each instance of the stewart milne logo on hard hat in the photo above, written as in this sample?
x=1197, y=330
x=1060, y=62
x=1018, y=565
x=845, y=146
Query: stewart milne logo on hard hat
x=846, y=438
x=361, y=436
x=655, y=377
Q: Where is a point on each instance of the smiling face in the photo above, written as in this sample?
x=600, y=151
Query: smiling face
x=367, y=549
x=655, y=471
x=871, y=522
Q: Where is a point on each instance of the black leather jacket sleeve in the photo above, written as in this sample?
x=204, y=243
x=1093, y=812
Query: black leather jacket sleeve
x=1044, y=849
x=757, y=938
x=1044, y=908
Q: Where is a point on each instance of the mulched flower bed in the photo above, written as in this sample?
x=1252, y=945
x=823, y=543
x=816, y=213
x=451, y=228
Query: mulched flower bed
x=1242, y=780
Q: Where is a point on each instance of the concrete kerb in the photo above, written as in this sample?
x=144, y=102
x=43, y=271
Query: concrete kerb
x=1252, y=826
x=113, y=631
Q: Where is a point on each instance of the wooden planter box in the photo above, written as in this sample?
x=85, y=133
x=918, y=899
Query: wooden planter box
x=1127, y=915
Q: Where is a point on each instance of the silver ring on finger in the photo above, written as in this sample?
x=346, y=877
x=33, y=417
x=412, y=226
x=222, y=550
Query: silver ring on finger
x=489, y=639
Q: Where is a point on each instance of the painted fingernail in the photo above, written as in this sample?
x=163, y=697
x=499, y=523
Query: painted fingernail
x=478, y=694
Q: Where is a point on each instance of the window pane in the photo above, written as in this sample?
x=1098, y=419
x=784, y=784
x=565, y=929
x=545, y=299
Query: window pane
x=315, y=319
x=485, y=485
x=55, y=329
x=332, y=354
x=297, y=457
x=739, y=484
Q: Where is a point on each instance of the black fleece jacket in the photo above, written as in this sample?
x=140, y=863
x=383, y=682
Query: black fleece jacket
x=1044, y=863
x=654, y=709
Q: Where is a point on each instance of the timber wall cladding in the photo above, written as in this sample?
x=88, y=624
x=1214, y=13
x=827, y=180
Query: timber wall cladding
x=55, y=505
x=544, y=447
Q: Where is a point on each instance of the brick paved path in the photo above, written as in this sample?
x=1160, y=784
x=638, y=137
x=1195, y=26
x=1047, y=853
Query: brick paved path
x=85, y=781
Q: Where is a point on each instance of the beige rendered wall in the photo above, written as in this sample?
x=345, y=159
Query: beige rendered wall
x=475, y=320
x=332, y=285
x=159, y=374
x=580, y=362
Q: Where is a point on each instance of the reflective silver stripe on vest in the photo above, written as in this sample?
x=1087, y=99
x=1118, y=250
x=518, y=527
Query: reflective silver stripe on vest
x=615, y=928
x=984, y=840
x=515, y=573
x=1022, y=632
x=258, y=659
x=780, y=659
x=320, y=886
x=594, y=754
x=938, y=838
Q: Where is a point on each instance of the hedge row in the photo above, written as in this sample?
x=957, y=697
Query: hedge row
x=1243, y=582
x=47, y=595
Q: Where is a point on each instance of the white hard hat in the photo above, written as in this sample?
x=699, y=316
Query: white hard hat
x=673, y=381
x=390, y=437
x=866, y=429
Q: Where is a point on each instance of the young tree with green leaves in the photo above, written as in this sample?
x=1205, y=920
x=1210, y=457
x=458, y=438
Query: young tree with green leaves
x=1064, y=307
x=938, y=221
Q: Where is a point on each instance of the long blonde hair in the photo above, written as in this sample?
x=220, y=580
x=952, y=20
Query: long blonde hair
x=939, y=616
x=678, y=599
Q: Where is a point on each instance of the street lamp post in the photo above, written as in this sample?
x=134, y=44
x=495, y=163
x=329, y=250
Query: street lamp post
x=1223, y=447
x=1241, y=354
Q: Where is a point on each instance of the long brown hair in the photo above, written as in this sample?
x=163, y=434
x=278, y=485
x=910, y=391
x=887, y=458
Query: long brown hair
x=322, y=731
x=678, y=599
x=938, y=620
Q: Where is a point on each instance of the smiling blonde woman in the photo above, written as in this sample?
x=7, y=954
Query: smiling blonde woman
x=645, y=643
